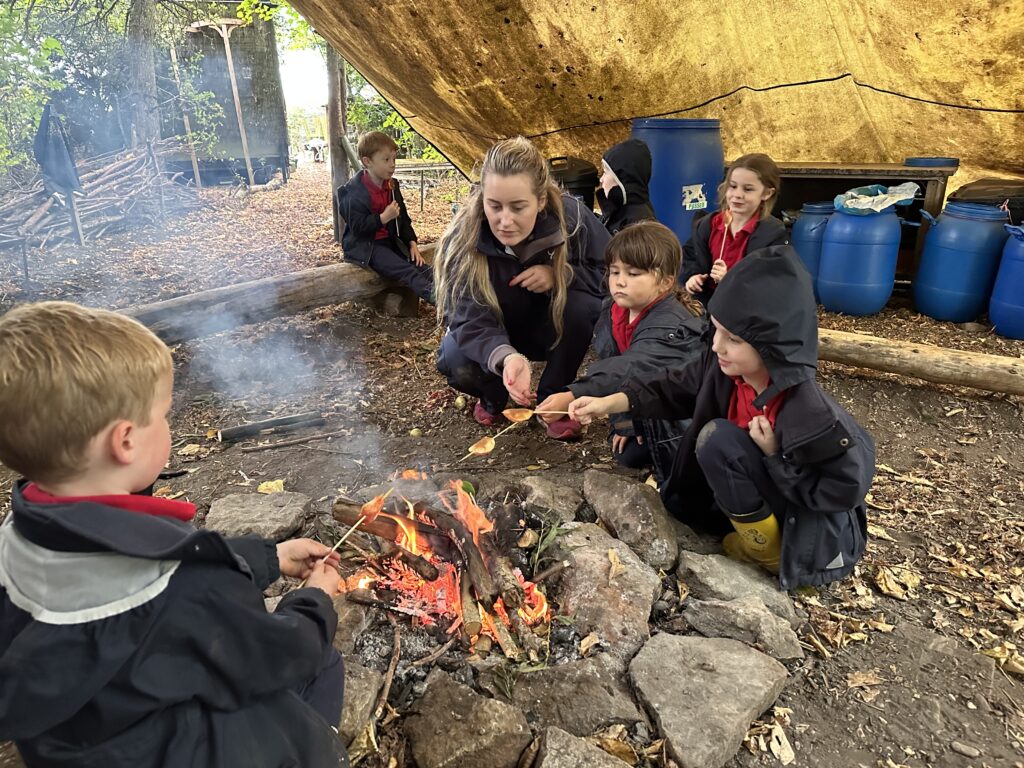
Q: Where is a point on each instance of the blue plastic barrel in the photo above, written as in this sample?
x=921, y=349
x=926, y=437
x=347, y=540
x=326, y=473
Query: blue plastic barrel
x=807, y=234
x=1006, y=308
x=687, y=163
x=857, y=269
x=959, y=261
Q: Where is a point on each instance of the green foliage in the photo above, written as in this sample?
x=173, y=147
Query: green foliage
x=25, y=83
x=205, y=113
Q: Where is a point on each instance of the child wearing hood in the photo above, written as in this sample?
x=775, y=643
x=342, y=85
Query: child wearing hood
x=770, y=457
x=623, y=196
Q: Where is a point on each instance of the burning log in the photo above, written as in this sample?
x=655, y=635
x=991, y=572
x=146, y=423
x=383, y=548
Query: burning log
x=508, y=645
x=255, y=427
x=477, y=571
x=365, y=597
x=471, y=618
x=385, y=527
x=424, y=569
x=511, y=590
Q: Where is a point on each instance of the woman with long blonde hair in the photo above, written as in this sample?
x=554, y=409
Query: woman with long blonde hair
x=519, y=276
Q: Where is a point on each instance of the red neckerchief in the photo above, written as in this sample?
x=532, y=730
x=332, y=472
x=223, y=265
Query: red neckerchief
x=380, y=198
x=146, y=505
x=742, y=409
x=622, y=329
x=735, y=245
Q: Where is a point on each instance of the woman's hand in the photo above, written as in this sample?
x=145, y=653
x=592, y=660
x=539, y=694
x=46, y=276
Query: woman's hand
x=718, y=270
x=762, y=434
x=515, y=375
x=537, y=279
x=695, y=284
x=298, y=557
x=619, y=443
x=586, y=409
x=556, y=402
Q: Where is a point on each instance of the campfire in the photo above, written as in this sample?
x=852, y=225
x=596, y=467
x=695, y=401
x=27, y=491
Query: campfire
x=443, y=562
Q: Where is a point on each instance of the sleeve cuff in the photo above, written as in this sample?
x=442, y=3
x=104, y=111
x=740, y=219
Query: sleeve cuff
x=495, y=359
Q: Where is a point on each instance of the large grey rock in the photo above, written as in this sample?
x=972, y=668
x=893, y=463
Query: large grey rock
x=617, y=610
x=362, y=685
x=559, y=749
x=554, y=501
x=703, y=693
x=353, y=620
x=581, y=696
x=717, y=577
x=745, y=619
x=690, y=540
x=453, y=726
x=274, y=516
x=633, y=513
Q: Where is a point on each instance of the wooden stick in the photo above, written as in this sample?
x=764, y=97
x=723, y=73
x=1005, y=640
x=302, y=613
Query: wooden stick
x=471, y=618
x=340, y=541
x=255, y=427
x=293, y=441
x=550, y=571
x=435, y=655
x=508, y=645
x=419, y=565
x=390, y=676
x=477, y=571
x=385, y=527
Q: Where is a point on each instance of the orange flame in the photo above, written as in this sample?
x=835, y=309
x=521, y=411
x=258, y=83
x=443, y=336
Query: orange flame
x=413, y=474
x=364, y=582
x=408, y=533
x=467, y=512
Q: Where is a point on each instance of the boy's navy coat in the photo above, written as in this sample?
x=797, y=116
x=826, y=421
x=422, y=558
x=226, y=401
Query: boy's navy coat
x=133, y=640
x=697, y=256
x=668, y=336
x=826, y=460
x=477, y=331
x=361, y=225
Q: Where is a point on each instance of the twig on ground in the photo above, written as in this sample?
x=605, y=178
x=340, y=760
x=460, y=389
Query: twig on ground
x=435, y=655
x=295, y=441
x=390, y=676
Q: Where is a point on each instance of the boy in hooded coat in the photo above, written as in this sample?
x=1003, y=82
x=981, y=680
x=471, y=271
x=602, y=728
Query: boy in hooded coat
x=623, y=196
x=792, y=482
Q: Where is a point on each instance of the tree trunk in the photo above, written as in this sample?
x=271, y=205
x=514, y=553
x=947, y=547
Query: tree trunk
x=142, y=21
x=337, y=108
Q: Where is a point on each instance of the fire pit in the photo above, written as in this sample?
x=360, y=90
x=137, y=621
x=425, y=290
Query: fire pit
x=444, y=563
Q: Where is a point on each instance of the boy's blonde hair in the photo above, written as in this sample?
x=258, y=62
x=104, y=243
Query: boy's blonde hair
x=373, y=142
x=460, y=270
x=66, y=373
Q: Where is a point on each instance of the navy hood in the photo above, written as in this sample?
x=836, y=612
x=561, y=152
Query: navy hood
x=630, y=161
x=768, y=301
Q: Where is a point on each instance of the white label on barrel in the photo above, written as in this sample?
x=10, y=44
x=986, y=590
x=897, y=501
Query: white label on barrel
x=694, y=198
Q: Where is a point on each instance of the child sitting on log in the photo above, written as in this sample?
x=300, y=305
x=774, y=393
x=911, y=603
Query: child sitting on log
x=127, y=637
x=646, y=325
x=769, y=455
x=378, y=231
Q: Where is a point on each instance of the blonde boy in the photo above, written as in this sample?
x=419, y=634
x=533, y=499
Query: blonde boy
x=127, y=637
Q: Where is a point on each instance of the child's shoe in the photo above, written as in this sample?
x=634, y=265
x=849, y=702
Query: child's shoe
x=484, y=416
x=564, y=429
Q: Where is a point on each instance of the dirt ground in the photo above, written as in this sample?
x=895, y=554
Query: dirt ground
x=876, y=689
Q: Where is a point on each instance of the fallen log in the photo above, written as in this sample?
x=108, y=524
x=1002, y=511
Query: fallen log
x=255, y=427
x=477, y=571
x=923, y=361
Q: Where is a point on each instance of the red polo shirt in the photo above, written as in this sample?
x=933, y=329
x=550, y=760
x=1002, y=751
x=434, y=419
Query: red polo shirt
x=742, y=409
x=380, y=198
x=735, y=245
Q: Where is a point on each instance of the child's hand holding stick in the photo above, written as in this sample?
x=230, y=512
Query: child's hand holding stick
x=586, y=409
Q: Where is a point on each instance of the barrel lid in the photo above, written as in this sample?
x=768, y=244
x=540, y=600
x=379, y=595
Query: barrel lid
x=824, y=206
x=675, y=123
x=976, y=211
x=568, y=169
x=932, y=162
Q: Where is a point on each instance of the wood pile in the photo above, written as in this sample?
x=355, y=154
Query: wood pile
x=121, y=188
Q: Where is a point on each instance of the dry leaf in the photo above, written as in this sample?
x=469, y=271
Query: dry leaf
x=619, y=749
x=163, y=491
x=880, y=625
x=270, y=486
x=211, y=434
x=780, y=746
x=863, y=679
x=192, y=449
x=872, y=504
x=529, y=539
x=482, y=447
x=616, y=565
x=879, y=532
x=887, y=583
x=534, y=467
x=588, y=642
x=516, y=415
x=684, y=590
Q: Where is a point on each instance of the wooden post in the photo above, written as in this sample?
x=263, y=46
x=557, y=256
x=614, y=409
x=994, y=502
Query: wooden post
x=76, y=224
x=24, y=260
x=188, y=123
x=421, y=190
x=225, y=32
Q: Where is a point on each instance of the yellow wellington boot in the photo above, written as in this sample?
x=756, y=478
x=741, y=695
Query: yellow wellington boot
x=759, y=541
